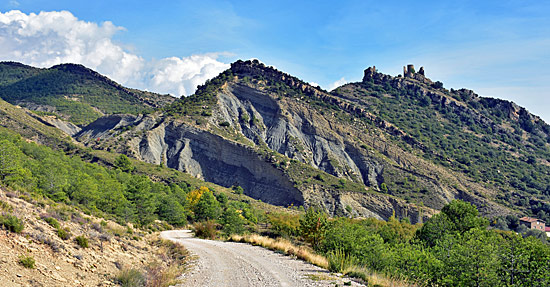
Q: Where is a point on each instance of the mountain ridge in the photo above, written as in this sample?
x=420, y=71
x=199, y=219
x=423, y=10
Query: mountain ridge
x=72, y=92
x=372, y=147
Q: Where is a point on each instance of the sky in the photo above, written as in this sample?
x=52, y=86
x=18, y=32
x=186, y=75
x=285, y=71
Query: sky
x=496, y=48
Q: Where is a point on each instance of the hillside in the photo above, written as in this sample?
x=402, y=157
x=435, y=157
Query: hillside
x=286, y=142
x=386, y=145
x=41, y=255
x=72, y=92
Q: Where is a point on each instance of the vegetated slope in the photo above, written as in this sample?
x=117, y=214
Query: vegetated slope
x=29, y=125
x=73, y=92
x=286, y=142
x=494, y=142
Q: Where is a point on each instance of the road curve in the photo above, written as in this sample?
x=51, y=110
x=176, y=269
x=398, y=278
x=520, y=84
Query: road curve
x=238, y=264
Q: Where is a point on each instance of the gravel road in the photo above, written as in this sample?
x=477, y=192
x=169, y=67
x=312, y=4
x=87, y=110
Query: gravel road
x=239, y=264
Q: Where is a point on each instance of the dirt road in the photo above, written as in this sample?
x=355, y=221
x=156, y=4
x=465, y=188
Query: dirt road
x=238, y=264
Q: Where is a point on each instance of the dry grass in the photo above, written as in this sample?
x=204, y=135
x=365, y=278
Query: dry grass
x=170, y=262
x=376, y=279
x=284, y=246
x=306, y=254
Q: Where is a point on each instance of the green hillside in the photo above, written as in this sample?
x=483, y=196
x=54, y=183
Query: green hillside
x=72, y=92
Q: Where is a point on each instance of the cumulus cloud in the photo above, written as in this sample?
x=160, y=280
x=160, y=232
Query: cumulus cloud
x=51, y=38
x=337, y=84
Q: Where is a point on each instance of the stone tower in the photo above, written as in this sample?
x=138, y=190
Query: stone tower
x=408, y=70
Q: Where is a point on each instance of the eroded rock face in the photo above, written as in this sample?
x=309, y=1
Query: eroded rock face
x=201, y=154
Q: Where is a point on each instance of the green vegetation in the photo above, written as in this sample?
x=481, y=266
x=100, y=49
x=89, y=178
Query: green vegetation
x=131, y=278
x=454, y=248
x=12, y=223
x=123, y=163
x=73, y=90
x=201, y=103
x=27, y=261
x=82, y=241
x=64, y=234
x=53, y=222
x=476, y=136
x=118, y=194
x=313, y=226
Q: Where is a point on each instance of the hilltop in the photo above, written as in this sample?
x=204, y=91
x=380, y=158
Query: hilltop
x=72, y=92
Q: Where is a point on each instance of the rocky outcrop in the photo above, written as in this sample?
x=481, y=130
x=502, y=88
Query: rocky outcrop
x=201, y=154
x=67, y=127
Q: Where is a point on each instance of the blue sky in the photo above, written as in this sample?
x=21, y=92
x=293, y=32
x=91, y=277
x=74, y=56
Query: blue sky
x=497, y=48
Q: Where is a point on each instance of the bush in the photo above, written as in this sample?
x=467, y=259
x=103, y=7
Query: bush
x=339, y=261
x=81, y=241
x=313, y=227
x=205, y=229
x=53, y=222
x=12, y=223
x=131, y=278
x=5, y=206
x=284, y=224
x=64, y=234
x=232, y=222
x=27, y=261
x=237, y=189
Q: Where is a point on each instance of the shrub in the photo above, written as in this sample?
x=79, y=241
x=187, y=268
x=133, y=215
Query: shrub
x=53, y=222
x=97, y=227
x=64, y=234
x=205, y=229
x=131, y=278
x=224, y=124
x=12, y=223
x=237, y=189
x=81, y=241
x=284, y=224
x=40, y=237
x=339, y=261
x=5, y=206
x=313, y=226
x=27, y=261
x=232, y=222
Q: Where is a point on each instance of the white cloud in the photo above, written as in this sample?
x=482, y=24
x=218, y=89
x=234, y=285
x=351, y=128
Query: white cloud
x=14, y=3
x=51, y=38
x=337, y=84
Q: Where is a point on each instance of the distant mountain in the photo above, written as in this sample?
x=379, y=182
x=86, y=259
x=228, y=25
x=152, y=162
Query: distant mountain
x=72, y=92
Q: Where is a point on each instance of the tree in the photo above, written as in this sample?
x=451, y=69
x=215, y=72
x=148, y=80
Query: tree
x=9, y=160
x=207, y=207
x=172, y=211
x=471, y=260
x=123, y=163
x=313, y=226
x=138, y=191
x=232, y=221
x=455, y=217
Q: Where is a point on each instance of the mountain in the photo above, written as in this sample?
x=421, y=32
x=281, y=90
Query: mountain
x=72, y=92
x=402, y=146
x=286, y=142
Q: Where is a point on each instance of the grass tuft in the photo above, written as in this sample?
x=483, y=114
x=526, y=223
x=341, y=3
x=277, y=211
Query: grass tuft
x=27, y=261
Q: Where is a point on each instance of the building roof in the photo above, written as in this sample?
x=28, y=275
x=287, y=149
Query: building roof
x=530, y=219
x=547, y=228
